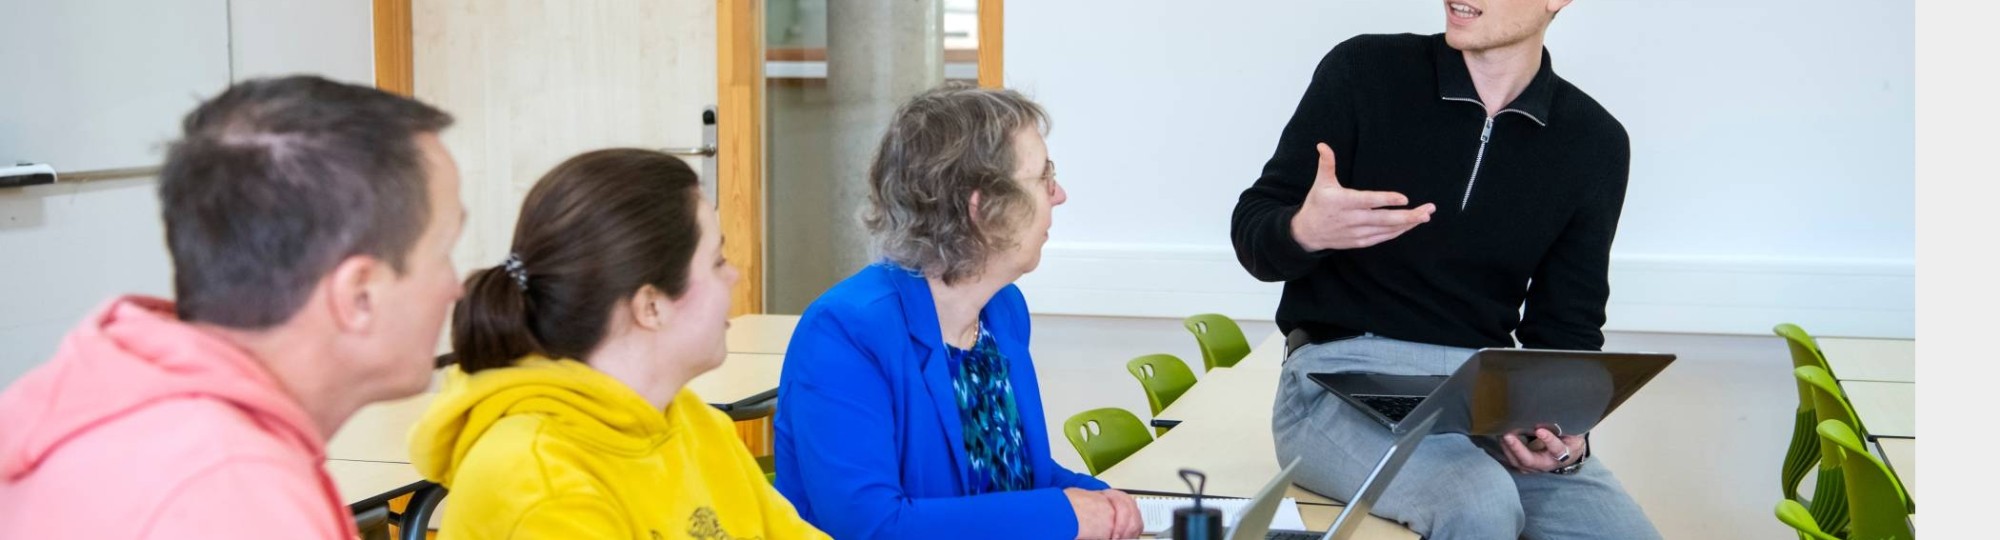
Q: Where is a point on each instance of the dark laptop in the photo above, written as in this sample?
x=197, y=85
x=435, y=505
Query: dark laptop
x=1256, y=521
x=1504, y=391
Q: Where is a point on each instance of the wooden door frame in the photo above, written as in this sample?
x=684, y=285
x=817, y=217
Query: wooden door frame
x=739, y=125
x=739, y=116
x=992, y=43
x=394, y=69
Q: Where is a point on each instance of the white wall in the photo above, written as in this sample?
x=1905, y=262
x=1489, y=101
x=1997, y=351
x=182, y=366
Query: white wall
x=66, y=248
x=1772, y=170
x=77, y=101
x=331, y=38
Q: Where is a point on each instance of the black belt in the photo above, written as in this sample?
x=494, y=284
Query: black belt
x=1308, y=333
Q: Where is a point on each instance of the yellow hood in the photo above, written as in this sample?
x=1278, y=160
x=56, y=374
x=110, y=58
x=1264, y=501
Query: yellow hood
x=584, y=403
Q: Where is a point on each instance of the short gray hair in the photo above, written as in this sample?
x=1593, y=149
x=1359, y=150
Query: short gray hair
x=943, y=146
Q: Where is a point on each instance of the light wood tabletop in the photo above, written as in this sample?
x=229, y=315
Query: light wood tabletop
x=1886, y=409
x=1882, y=360
x=1901, y=456
x=1225, y=432
x=761, y=333
x=364, y=484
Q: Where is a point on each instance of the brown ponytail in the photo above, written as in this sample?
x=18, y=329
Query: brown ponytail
x=489, y=325
x=592, y=231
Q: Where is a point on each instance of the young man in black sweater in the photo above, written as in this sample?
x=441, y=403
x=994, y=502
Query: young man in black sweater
x=1433, y=195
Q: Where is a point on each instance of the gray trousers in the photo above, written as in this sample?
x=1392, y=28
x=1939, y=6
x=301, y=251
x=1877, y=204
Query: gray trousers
x=1450, y=489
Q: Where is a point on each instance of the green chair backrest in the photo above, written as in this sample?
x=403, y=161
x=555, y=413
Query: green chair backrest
x=1801, y=520
x=769, y=464
x=1829, y=404
x=1829, y=401
x=1804, y=452
x=1805, y=352
x=1163, y=376
x=1105, y=436
x=1222, y=342
x=1801, y=455
x=1879, y=507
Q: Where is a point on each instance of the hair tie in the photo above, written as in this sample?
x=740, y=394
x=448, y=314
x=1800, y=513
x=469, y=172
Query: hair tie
x=516, y=270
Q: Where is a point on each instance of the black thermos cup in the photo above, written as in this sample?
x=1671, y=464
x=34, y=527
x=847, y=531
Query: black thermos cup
x=1196, y=522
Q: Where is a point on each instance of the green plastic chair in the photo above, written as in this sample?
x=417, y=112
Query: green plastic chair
x=1878, y=505
x=769, y=464
x=1804, y=452
x=1801, y=520
x=1222, y=343
x=1881, y=507
x=1105, y=436
x=1164, y=377
x=1828, y=504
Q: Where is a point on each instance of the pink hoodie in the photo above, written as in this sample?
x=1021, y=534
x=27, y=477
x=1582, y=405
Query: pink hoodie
x=145, y=427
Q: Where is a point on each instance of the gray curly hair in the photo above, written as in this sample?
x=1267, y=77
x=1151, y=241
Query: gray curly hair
x=943, y=146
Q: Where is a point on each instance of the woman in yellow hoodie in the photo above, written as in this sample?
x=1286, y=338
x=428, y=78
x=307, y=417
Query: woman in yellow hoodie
x=567, y=415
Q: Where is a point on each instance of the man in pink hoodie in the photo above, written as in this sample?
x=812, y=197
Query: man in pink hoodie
x=311, y=226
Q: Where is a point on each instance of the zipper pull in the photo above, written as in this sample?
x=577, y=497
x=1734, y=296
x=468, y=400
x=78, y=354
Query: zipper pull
x=1486, y=133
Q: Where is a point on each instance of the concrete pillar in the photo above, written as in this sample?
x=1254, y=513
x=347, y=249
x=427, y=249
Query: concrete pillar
x=879, y=54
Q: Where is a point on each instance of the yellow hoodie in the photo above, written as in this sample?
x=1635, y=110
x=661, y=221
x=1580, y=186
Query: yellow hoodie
x=555, y=449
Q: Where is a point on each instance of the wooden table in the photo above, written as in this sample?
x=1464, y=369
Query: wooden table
x=1901, y=456
x=1225, y=432
x=1881, y=360
x=1239, y=457
x=380, y=432
x=1886, y=409
x=1879, y=377
x=1231, y=389
x=1268, y=354
x=366, y=484
x=1320, y=517
x=761, y=333
x=1253, y=379
x=744, y=385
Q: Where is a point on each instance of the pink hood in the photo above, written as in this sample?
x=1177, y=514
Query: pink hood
x=129, y=354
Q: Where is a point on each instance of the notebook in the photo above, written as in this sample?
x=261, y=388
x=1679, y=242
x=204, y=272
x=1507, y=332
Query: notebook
x=1159, y=512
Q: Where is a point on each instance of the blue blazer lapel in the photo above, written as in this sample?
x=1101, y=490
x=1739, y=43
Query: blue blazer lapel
x=944, y=400
x=920, y=312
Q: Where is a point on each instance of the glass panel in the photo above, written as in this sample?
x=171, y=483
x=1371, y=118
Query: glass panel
x=802, y=132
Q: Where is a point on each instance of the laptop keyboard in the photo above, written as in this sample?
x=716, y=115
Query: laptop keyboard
x=1394, y=407
x=1291, y=535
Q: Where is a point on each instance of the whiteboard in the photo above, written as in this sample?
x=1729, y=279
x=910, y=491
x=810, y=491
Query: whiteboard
x=103, y=84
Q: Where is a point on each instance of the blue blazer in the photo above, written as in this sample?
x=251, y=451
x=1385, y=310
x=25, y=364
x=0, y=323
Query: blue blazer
x=869, y=441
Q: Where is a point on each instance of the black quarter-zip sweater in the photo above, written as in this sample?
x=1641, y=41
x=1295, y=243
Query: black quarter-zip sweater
x=1527, y=203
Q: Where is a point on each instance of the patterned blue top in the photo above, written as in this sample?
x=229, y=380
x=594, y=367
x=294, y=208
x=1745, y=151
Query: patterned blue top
x=993, y=437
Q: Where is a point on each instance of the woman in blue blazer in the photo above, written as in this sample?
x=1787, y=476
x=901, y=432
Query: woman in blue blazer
x=909, y=407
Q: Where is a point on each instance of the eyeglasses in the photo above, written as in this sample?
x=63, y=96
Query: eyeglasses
x=1049, y=177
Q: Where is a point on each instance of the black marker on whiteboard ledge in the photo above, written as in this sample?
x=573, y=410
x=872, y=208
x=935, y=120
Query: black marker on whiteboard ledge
x=26, y=174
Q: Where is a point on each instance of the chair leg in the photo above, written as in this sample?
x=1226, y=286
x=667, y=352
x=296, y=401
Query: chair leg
x=373, y=523
x=417, y=516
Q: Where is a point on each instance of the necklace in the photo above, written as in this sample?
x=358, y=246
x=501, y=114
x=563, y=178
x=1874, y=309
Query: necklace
x=971, y=336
